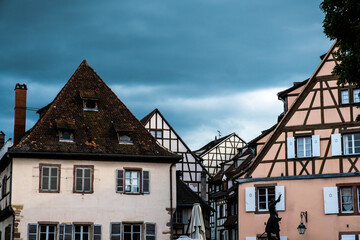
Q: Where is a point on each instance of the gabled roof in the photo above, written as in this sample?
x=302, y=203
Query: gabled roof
x=211, y=145
x=94, y=131
x=186, y=197
x=148, y=117
x=275, y=134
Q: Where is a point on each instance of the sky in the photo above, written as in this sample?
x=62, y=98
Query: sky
x=207, y=65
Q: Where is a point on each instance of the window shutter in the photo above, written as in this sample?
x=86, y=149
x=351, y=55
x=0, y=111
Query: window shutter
x=315, y=139
x=97, y=232
x=290, y=143
x=32, y=231
x=250, y=199
x=331, y=204
x=150, y=231
x=280, y=206
x=65, y=232
x=146, y=182
x=115, y=231
x=120, y=181
x=336, y=144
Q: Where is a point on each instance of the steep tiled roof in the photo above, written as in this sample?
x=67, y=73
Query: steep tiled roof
x=95, y=131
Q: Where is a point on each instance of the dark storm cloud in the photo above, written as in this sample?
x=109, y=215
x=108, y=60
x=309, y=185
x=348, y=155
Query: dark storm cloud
x=174, y=49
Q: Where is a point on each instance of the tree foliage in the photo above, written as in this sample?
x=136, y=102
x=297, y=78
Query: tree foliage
x=342, y=23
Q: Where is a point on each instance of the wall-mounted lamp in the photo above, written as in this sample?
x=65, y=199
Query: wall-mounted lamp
x=301, y=228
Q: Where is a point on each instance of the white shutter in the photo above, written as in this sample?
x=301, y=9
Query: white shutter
x=315, y=139
x=336, y=144
x=250, y=199
x=250, y=238
x=280, y=206
x=331, y=204
x=283, y=238
x=290, y=143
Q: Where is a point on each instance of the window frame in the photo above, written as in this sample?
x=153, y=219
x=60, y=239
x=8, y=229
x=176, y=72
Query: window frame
x=90, y=228
x=58, y=166
x=124, y=142
x=91, y=167
x=343, y=134
x=139, y=170
x=357, y=234
x=341, y=96
x=47, y=231
x=257, y=187
x=72, y=136
x=157, y=133
x=94, y=109
x=131, y=232
x=304, y=137
x=355, y=187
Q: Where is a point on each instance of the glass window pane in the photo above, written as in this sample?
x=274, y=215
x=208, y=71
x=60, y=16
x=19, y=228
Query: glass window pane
x=45, y=171
x=356, y=93
x=115, y=228
x=344, y=96
x=45, y=183
x=54, y=171
x=78, y=184
x=347, y=199
x=87, y=184
x=87, y=172
x=53, y=184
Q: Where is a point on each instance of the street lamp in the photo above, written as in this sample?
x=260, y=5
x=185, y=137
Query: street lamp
x=302, y=228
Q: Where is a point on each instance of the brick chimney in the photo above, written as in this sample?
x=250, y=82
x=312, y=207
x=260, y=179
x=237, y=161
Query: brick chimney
x=20, y=111
x=2, y=139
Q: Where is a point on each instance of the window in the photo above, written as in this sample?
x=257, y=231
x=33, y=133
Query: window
x=349, y=198
x=124, y=139
x=47, y=232
x=264, y=196
x=66, y=136
x=178, y=218
x=351, y=143
x=344, y=96
x=49, y=178
x=136, y=181
x=90, y=105
x=132, y=181
x=83, y=179
x=303, y=146
x=350, y=236
x=158, y=134
x=132, y=231
x=356, y=95
x=82, y=232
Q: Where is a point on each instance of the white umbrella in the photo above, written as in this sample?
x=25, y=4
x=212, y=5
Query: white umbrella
x=197, y=226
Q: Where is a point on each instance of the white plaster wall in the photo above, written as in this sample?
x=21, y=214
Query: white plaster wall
x=101, y=207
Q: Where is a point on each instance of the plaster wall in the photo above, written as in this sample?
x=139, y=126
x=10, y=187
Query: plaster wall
x=101, y=207
x=299, y=197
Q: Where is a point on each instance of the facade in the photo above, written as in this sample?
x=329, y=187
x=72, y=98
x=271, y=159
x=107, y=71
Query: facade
x=311, y=159
x=88, y=169
x=218, y=151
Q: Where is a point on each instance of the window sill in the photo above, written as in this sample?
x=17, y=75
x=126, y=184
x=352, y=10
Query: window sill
x=48, y=191
x=84, y=192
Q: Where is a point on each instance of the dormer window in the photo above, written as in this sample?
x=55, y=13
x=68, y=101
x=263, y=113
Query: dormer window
x=90, y=100
x=90, y=105
x=124, y=139
x=66, y=130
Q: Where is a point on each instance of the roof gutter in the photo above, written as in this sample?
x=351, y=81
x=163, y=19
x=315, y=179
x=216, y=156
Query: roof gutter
x=98, y=156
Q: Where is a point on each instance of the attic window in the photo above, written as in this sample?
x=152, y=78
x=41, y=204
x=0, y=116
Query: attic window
x=158, y=134
x=66, y=136
x=90, y=105
x=124, y=139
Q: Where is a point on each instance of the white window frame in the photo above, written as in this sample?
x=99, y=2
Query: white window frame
x=129, y=181
x=47, y=232
x=266, y=197
x=82, y=231
x=48, y=189
x=303, y=140
x=83, y=169
x=131, y=230
x=346, y=140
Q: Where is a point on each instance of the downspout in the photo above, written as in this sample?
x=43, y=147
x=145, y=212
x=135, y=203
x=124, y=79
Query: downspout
x=10, y=196
x=171, y=202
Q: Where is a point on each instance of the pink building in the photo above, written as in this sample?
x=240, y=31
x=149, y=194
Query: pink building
x=311, y=159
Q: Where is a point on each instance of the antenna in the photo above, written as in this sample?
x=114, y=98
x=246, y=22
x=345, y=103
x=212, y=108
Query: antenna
x=219, y=133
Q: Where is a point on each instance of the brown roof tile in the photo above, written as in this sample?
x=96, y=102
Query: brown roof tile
x=95, y=131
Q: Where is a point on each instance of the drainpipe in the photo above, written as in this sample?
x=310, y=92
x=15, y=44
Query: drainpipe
x=171, y=203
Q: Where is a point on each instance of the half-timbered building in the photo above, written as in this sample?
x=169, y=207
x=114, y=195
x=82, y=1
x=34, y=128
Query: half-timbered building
x=311, y=160
x=218, y=151
x=88, y=169
x=190, y=168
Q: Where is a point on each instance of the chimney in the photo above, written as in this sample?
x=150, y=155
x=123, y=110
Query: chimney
x=2, y=139
x=20, y=112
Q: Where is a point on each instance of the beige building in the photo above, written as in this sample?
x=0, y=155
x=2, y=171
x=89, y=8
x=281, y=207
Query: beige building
x=311, y=159
x=88, y=169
